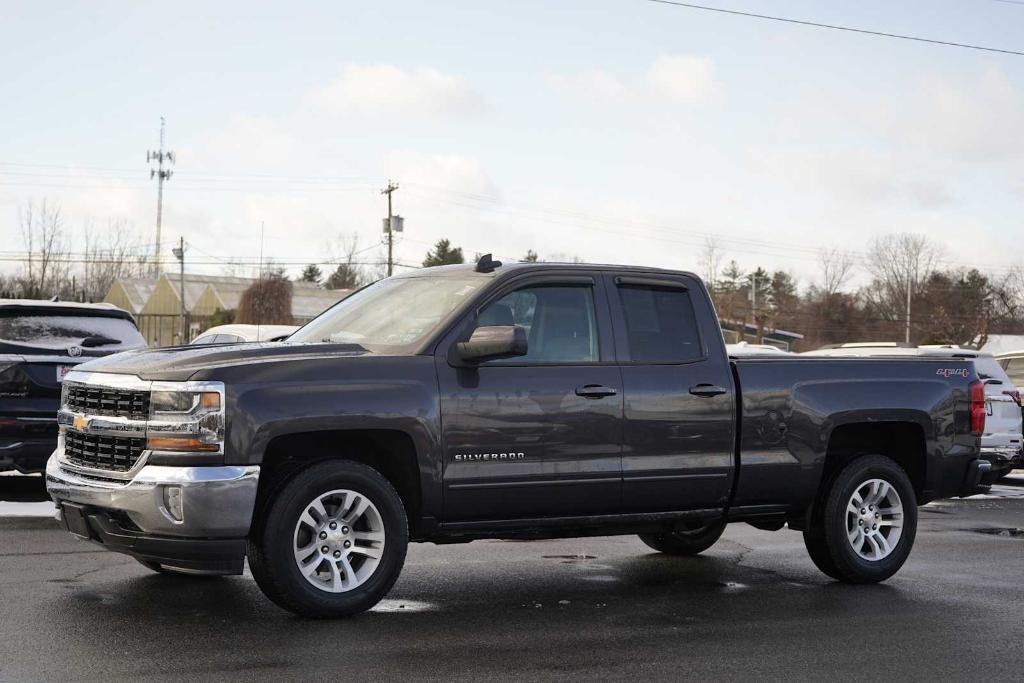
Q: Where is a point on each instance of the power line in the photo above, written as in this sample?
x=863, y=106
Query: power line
x=836, y=27
x=489, y=202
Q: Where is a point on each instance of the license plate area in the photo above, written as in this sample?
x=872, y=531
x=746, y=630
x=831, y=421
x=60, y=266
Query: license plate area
x=75, y=520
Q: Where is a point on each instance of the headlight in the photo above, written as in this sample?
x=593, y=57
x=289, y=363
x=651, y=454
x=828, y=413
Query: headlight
x=182, y=402
x=186, y=419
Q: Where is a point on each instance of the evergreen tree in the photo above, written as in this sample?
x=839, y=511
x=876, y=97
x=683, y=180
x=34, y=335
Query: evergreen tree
x=443, y=254
x=311, y=273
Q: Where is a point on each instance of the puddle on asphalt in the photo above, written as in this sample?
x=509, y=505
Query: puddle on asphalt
x=601, y=578
x=1008, y=532
x=404, y=606
x=733, y=586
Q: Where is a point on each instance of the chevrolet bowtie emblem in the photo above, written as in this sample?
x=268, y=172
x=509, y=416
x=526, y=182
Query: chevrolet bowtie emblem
x=81, y=423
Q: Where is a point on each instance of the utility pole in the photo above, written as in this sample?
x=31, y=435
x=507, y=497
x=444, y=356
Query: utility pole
x=179, y=253
x=159, y=156
x=391, y=238
x=909, y=290
x=753, y=307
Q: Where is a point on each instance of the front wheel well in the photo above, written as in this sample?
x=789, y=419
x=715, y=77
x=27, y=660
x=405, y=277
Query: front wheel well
x=390, y=452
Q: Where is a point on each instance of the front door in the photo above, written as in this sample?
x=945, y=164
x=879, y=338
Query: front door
x=538, y=435
x=679, y=409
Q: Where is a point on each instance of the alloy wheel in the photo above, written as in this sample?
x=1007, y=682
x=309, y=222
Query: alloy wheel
x=339, y=541
x=874, y=519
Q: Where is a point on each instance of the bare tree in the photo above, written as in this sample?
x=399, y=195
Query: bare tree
x=711, y=261
x=267, y=301
x=899, y=266
x=836, y=270
x=117, y=253
x=42, y=233
x=348, y=274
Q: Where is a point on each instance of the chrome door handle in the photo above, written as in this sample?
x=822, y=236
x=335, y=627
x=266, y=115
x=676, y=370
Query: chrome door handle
x=595, y=391
x=707, y=390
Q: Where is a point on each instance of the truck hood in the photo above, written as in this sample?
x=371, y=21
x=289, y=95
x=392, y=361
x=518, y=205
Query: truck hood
x=178, y=363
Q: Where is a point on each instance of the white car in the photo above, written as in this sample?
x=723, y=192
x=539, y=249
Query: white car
x=234, y=334
x=747, y=349
x=1002, y=442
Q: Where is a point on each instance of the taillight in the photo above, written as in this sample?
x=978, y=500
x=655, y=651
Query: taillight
x=1015, y=395
x=978, y=408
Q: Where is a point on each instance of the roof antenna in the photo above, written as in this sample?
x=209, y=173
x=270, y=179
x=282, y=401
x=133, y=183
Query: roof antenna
x=486, y=264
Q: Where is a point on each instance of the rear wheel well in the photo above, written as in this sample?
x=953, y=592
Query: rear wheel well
x=902, y=442
x=390, y=452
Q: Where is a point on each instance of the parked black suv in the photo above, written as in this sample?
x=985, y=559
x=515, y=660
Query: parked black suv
x=40, y=341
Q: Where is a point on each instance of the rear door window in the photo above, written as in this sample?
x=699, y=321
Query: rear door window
x=59, y=332
x=661, y=326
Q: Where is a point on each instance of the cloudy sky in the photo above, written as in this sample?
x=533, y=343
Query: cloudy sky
x=613, y=131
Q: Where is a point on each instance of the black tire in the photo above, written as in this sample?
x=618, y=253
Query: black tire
x=684, y=543
x=827, y=542
x=814, y=541
x=271, y=545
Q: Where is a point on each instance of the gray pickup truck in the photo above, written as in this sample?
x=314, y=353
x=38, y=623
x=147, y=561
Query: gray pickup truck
x=502, y=401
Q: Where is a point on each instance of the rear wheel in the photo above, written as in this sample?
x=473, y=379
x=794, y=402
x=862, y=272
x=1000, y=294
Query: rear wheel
x=685, y=542
x=867, y=524
x=331, y=542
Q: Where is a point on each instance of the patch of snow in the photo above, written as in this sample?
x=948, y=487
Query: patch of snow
x=42, y=509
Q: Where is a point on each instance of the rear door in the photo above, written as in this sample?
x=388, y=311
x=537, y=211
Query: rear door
x=679, y=405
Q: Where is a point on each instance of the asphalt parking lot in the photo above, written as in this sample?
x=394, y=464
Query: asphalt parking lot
x=751, y=607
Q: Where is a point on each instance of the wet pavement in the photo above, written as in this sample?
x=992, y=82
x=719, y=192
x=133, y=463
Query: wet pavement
x=752, y=607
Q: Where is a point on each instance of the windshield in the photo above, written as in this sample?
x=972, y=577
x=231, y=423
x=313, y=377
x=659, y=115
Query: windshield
x=58, y=332
x=391, y=315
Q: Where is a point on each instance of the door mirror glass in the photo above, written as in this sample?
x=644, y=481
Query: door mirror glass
x=493, y=342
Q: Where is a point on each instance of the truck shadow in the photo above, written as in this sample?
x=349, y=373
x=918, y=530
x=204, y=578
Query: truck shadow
x=431, y=611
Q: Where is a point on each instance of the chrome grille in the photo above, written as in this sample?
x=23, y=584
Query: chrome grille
x=115, y=453
x=107, y=401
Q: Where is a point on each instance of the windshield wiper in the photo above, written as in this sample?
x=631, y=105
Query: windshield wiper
x=90, y=342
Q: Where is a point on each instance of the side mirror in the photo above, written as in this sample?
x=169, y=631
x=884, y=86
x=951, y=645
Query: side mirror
x=492, y=343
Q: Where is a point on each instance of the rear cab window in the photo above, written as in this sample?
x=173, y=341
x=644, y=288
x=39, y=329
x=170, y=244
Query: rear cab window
x=42, y=330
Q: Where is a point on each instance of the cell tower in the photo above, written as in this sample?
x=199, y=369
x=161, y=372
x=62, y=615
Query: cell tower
x=161, y=174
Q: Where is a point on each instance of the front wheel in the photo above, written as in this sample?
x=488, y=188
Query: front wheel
x=332, y=541
x=867, y=524
x=685, y=543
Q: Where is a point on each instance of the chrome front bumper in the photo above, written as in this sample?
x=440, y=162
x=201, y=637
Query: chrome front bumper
x=215, y=502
